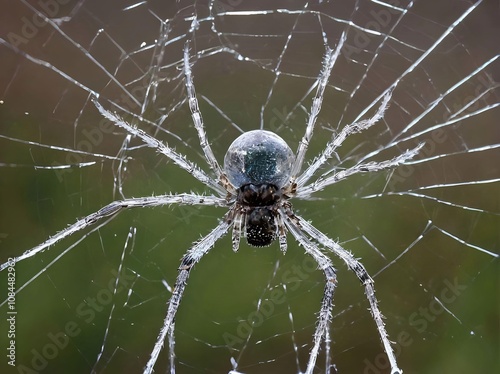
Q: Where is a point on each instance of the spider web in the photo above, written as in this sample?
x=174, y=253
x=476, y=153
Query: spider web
x=428, y=232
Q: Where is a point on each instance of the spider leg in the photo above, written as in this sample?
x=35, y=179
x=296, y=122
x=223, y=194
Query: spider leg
x=328, y=359
x=339, y=138
x=171, y=348
x=162, y=148
x=325, y=264
x=328, y=62
x=360, y=271
x=193, y=255
x=281, y=233
x=115, y=207
x=238, y=226
x=196, y=115
x=326, y=179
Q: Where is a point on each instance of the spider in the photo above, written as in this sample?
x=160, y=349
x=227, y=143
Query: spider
x=259, y=178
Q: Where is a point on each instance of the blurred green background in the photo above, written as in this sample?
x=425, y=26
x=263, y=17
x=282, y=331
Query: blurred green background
x=438, y=290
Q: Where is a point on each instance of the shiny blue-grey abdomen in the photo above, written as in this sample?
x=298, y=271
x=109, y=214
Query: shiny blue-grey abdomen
x=258, y=157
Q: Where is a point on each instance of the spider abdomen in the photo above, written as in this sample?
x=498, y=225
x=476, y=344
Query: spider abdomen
x=258, y=157
x=260, y=227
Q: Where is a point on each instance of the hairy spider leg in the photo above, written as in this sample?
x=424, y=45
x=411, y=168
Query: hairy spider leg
x=338, y=139
x=363, y=276
x=114, y=208
x=196, y=115
x=281, y=233
x=162, y=148
x=325, y=264
x=328, y=62
x=193, y=255
x=238, y=226
x=328, y=178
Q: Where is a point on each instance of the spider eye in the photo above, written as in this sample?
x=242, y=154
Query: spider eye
x=258, y=157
